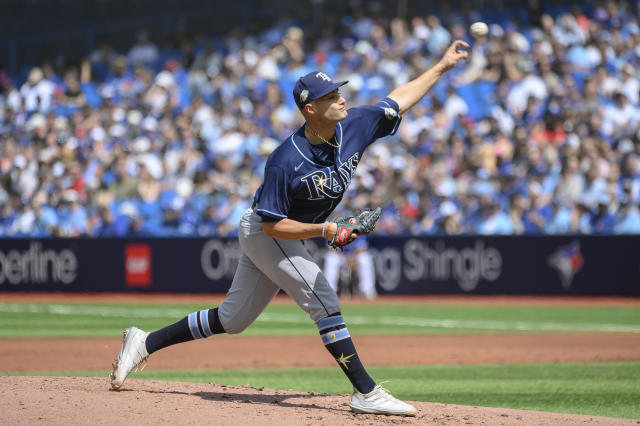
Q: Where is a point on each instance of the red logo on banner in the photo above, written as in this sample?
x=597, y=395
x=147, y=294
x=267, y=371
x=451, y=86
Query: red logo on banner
x=137, y=265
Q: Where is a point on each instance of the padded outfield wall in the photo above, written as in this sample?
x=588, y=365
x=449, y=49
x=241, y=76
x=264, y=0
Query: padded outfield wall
x=564, y=265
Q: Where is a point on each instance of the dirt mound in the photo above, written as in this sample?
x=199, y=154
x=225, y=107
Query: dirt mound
x=80, y=400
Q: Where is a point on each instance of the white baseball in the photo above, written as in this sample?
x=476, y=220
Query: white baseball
x=479, y=29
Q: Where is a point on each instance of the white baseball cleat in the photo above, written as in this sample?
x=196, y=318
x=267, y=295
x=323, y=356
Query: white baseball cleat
x=132, y=353
x=380, y=401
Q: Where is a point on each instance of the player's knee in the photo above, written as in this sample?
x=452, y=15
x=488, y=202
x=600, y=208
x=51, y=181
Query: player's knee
x=236, y=329
x=231, y=321
x=233, y=326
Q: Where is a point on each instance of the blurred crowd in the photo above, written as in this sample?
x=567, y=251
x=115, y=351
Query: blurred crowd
x=537, y=133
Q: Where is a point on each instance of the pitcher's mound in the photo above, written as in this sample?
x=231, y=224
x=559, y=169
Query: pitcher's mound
x=81, y=400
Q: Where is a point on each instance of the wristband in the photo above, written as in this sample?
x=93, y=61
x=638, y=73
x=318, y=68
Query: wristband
x=324, y=228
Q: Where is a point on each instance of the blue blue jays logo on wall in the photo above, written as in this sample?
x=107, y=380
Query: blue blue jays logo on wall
x=329, y=183
x=568, y=261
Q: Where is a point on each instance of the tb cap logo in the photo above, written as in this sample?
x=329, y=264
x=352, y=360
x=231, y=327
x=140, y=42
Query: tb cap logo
x=312, y=86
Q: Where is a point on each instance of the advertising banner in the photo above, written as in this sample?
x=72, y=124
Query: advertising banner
x=508, y=265
x=589, y=265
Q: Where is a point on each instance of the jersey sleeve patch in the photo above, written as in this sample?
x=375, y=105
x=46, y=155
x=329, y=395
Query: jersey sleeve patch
x=379, y=120
x=393, y=118
x=390, y=113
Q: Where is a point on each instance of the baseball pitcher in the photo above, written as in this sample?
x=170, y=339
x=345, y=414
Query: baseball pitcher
x=304, y=180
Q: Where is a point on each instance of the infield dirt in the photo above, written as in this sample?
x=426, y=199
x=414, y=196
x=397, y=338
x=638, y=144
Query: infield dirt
x=81, y=401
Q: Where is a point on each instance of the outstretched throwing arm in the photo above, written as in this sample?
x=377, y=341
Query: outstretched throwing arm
x=410, y=93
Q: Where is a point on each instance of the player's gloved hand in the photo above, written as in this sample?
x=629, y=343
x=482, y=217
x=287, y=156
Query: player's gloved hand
x=350, y=227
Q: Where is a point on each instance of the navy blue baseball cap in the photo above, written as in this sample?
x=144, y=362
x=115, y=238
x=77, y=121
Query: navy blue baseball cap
x=312, y=86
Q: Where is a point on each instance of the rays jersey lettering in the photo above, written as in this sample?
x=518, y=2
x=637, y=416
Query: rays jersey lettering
x=306, y=182
x=329, y=183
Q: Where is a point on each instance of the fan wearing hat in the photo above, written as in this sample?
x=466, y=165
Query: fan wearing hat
x=305, y=178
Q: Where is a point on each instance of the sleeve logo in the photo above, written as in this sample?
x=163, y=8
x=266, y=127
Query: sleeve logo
x=390, y=113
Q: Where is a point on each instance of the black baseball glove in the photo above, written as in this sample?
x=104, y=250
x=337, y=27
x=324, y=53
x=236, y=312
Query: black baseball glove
x=362, y=223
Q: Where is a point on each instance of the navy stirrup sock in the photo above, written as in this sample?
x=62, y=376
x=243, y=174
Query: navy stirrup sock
x=196, y=325
x=337, y=340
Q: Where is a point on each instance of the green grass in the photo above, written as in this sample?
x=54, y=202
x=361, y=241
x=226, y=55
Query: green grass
x=108, y=319
x=600, y=389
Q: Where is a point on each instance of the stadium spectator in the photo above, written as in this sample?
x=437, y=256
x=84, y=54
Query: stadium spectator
x=539, y=134
x=37, y=92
